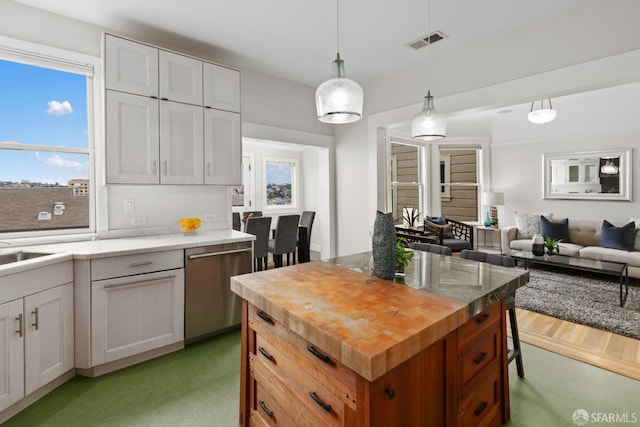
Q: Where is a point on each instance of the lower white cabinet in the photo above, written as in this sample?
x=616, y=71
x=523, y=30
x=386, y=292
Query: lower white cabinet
x=134, y=314
x=36, y=342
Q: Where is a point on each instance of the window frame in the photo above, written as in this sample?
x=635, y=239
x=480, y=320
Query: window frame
x=72, y=62
x=294, y=184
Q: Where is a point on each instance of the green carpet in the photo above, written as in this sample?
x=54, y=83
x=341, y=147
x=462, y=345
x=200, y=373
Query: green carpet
x=199, y=386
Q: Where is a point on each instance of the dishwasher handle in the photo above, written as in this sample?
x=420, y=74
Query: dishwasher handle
x=209, y=254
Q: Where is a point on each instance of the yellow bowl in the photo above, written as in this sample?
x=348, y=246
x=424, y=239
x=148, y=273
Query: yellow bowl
x=189, y=225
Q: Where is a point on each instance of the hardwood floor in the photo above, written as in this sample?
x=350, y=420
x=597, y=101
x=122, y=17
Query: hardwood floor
x=605, y=350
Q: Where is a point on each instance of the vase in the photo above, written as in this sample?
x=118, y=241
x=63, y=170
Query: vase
x=487, y=221
x=537, y=245
x=383, y=244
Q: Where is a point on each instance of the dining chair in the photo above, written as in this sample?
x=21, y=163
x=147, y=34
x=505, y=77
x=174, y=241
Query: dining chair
x=259, y=227
x=430, y=247
x=285, y=239
x=236, y=220
x=510, y=301
x=306, y=221
x=255, y=213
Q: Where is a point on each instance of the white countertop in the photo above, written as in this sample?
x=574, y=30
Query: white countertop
x=119, y=246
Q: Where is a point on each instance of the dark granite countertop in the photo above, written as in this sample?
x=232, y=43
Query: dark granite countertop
x=474, y=283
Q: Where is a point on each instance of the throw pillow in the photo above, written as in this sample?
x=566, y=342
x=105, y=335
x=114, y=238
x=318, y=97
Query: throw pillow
x=636, y=243
x=446, y=232
x=528, y=224
x=441, y=220
x=617, y=237
x=556, y=230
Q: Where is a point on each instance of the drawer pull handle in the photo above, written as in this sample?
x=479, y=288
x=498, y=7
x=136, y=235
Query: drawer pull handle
x=319, y=401
x=480, y=359
x=480, y=409
x=264, y=316
x=317, y=354
x=266, y=354
x=265, y=409
x=390, y=392
x=482, y=319
x=141, y=263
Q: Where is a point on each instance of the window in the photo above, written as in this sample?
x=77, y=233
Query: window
x=280, y=183
x=45, y=140
x=459, y=183
x=406, y=188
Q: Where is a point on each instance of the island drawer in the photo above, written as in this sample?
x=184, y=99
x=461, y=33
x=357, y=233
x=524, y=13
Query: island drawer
x=306, y=402
x=482, y=407
x=482, y=351
x=129, y=265
x=265, y=410
x=314, y=361
x=479, y=323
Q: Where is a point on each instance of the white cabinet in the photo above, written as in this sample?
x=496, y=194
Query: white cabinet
x=161, y=139
x=36, y=330
x=133, y=139
x=140, y=311
x=222, y=147
x=181, y=143
x=181, y=78
x=221, y=88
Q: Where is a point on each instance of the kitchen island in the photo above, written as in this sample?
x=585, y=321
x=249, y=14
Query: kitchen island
x=326, y=344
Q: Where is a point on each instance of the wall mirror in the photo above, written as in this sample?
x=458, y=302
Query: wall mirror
x=594, y=175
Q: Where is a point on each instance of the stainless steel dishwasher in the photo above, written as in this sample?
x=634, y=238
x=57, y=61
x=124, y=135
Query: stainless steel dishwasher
x=210, y=306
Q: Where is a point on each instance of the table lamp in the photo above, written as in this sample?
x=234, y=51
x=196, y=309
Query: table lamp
x=493, y=199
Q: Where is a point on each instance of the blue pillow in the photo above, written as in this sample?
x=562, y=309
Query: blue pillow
x=441, y=220
x=617, y=237
x=556, y=230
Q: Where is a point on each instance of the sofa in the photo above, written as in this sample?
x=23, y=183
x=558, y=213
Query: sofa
x=583, y=241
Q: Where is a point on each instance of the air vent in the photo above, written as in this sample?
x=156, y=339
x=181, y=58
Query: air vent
x=423, y=41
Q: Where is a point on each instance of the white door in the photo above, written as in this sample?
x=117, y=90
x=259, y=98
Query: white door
x=221, y=88
x=180, y=78
x=134, y=314
x=222, y=147
x=49, y=338
x=181, y=139
x=133, y=142
x=131, y=67
x=11, y=353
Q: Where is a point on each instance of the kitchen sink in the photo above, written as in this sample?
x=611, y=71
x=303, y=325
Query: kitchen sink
x=19, y=256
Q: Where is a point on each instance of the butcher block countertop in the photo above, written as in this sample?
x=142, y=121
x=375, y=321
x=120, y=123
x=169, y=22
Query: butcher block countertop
x=369, y=324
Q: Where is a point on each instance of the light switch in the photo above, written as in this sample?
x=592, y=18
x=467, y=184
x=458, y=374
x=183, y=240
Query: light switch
x=129, y=206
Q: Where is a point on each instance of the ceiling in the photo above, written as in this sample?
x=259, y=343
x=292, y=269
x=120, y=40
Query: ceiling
x=296, y=40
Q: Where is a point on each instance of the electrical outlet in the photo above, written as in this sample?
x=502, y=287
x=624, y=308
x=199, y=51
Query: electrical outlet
x=129, y=206
x=210, y=217
x=138, y=221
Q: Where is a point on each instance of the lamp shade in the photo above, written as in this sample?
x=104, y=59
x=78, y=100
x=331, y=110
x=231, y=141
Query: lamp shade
x=339, y=99
x=542, y=115
x=428, y=124
x=493, y=199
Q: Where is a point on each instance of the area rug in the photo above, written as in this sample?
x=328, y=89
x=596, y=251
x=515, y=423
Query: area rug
x=588, y=299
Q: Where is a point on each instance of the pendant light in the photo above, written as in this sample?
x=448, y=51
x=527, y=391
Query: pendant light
x=339, y=99
x=542, y=115
x=609, y=167
x=428, y=124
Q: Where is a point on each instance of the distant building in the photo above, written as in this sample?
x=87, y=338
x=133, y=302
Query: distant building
x=80, y=186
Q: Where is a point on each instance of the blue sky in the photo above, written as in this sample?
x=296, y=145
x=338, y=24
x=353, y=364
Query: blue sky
x=42, y=107
x=278, y=173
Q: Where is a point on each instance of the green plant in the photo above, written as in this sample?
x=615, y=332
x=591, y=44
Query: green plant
x=403, y=255
x=552, y=244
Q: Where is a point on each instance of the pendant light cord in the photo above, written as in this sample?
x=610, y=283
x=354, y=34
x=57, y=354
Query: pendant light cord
x=338, y=27
x=428, y=44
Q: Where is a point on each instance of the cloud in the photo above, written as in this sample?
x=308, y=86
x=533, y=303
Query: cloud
x=59, y=108
x=58, y=161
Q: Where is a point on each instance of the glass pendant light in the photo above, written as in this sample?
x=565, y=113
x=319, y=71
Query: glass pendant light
x=543, y=115
x=428, y=124
x=609, y=168
x=339, y=99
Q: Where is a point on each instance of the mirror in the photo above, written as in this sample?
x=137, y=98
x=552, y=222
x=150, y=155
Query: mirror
x=595, y=175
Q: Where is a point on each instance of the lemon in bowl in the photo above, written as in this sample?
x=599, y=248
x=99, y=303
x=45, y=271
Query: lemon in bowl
x=189, y=226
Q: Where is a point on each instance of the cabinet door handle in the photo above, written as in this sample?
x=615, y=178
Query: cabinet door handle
x=319, y=401
x=265, y=409
x=484, y=318
x=480, y=359
x=264, y=316
x=138, y=283
x=35, y=314
x=19, y=319
x=209, y=169
x=266, y=354
x=480, y=408
x=140, y=264
x=155, y=167
x=165, y=168
x=317, y=354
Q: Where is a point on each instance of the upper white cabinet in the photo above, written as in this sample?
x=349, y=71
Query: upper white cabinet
x=157, y=131
x=221, y=88
x=131, y=67
x=181, y=78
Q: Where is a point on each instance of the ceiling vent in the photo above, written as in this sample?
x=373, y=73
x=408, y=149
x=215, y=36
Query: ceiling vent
x=423, y=41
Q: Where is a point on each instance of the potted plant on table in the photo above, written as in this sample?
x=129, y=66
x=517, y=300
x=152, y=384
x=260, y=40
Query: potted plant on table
x=552, y=245
x=403, y=255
